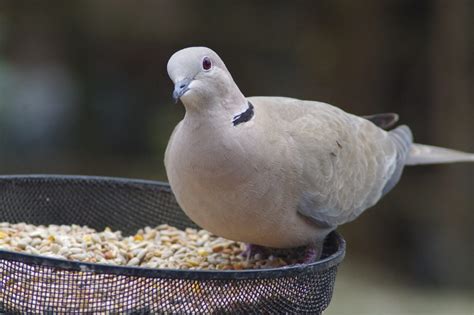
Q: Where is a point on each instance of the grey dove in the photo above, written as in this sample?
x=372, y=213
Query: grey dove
x=275, y=171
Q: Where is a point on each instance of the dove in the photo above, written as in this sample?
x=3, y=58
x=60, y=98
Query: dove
x=278, y=172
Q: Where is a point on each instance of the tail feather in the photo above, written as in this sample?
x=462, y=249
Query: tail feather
x=428, y=154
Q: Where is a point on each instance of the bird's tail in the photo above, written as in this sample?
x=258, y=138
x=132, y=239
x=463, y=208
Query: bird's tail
x=428, y=154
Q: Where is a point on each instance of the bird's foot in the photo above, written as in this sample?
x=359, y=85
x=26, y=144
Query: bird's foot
x=312, y=254
x=251, y=250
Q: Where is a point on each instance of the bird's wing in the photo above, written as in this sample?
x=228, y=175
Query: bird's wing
x=383, y=120
x=347, y=160
x=403, y=140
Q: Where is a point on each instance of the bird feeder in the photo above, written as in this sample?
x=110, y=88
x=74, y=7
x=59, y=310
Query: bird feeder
x=36, y=284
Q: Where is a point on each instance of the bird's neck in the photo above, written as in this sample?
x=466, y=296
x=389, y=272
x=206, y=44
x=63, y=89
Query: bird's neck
x=219, y=110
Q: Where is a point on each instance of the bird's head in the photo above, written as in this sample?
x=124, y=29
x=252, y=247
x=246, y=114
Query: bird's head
x=200, y=77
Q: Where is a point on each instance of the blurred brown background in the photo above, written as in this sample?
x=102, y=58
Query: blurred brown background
x=84, y=90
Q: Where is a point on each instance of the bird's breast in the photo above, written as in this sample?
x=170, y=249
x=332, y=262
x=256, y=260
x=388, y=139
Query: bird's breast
x=222, y=185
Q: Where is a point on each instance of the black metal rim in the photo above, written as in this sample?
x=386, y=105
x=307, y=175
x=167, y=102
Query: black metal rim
x=321, y=265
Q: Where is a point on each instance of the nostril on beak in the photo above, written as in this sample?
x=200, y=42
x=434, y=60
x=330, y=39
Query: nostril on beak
x=180, y=88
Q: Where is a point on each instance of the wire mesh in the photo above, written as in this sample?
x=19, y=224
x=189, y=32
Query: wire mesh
x=39, y=285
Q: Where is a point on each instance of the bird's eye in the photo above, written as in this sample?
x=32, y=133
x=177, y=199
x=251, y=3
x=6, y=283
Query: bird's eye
x=206, y=63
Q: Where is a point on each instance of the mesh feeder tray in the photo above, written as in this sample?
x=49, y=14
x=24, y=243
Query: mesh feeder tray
x=39, y=285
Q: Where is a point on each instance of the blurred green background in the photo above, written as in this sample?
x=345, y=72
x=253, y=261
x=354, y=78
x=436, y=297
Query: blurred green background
x=84, y=90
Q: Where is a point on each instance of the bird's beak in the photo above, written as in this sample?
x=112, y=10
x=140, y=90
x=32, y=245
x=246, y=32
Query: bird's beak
x=180, y=88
